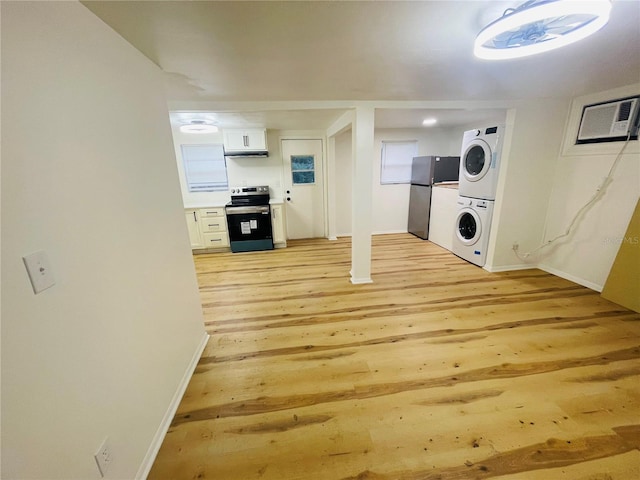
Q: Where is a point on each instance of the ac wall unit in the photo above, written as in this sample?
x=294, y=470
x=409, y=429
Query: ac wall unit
x=610, y=121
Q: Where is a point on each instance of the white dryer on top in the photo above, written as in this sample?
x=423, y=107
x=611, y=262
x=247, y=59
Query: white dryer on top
x=480, y=162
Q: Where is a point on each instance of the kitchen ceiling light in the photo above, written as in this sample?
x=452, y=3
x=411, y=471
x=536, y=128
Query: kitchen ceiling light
x=539, y=26
x=429, y=122
x=198, y=126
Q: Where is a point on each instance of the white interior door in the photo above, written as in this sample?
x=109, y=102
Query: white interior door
x=303, y=188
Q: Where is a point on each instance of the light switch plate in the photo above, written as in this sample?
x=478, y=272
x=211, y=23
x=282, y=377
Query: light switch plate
x=39, y=271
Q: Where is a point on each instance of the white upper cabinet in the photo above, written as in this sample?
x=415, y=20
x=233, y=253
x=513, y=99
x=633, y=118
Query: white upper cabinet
x=245, y=140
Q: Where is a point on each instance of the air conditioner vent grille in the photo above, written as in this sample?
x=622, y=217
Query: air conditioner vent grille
x=625, y=111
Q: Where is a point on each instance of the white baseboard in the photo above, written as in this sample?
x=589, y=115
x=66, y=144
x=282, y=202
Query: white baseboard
x=548, y=269
x=158, y=438
x=571, y=278
x=510, y=268
x=358, y=281
x=389, y=232
x=386, y=232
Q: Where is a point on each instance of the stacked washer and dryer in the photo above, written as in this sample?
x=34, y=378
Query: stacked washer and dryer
x=479, y=166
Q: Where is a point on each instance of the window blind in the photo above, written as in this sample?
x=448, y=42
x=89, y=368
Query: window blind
x=396, y=161
x=205, y=168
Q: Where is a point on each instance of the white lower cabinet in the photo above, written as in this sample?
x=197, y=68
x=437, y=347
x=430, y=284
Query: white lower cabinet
x=278, y=225
x=194, y=228
x=213, y=225
x=442, y=220
x=207, y=228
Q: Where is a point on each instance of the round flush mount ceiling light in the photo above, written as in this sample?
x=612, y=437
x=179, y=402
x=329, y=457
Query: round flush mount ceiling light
x=540, y=25
x=199, y=126
x=429, y=122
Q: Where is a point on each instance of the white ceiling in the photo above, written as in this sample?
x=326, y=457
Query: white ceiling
x=230, y=53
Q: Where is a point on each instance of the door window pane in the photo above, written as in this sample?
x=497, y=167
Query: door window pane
x=205, y=168
x=303, y=169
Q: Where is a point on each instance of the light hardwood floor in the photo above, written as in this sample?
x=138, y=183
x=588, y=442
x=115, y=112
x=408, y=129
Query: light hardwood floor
x=437, y=370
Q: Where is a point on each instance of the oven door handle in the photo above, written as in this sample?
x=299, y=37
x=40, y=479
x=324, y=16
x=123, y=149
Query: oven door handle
x=244, y=210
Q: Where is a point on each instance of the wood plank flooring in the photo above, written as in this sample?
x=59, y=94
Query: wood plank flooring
x=437, y=370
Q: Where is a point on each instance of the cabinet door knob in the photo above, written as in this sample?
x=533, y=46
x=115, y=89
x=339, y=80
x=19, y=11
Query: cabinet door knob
x=195, y=219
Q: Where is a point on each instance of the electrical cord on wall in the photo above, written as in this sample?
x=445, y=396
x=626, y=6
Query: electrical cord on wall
x=598, y=193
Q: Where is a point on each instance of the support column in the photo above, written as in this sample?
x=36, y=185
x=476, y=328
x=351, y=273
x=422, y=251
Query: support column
x=331, y=188
x=362, y=191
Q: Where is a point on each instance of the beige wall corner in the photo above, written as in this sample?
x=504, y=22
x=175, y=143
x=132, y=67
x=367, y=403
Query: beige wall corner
x=623, y=283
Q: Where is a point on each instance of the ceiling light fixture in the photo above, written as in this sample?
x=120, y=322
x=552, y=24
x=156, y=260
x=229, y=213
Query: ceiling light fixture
x=540, y=25
x=429, y=122
x=199, y=126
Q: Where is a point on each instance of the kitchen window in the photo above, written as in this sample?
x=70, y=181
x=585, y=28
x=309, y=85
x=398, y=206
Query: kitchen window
x=396, y=161
x=205, y=168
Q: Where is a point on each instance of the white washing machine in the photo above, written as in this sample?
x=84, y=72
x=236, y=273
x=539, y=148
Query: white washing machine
x=480, y=162
x=471, y=231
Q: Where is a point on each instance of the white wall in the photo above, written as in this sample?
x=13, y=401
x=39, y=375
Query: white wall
x=390, y=202
x=344, y=175
x=533, y=137
x=240, y=171
x=89, y=176
x=445, y=142
x=586, y=256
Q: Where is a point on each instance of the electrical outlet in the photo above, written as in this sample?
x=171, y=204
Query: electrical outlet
x=104, y=457
x=515, y=246
x=39, y=271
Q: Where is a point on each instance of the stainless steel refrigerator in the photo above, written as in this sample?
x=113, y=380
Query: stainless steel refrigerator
x=425, y=171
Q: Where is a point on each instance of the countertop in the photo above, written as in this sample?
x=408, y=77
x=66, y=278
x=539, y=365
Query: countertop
x=273, y=201
x=452, y=185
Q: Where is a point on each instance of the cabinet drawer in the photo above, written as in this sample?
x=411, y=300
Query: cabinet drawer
x=213, y=224
x=212, y=212
x=213, y=240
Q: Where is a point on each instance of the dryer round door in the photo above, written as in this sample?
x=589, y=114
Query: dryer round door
x=476, y=160
x=468, y=226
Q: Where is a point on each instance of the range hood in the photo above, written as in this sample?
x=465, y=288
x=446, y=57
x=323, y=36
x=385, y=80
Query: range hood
x=247, y=154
